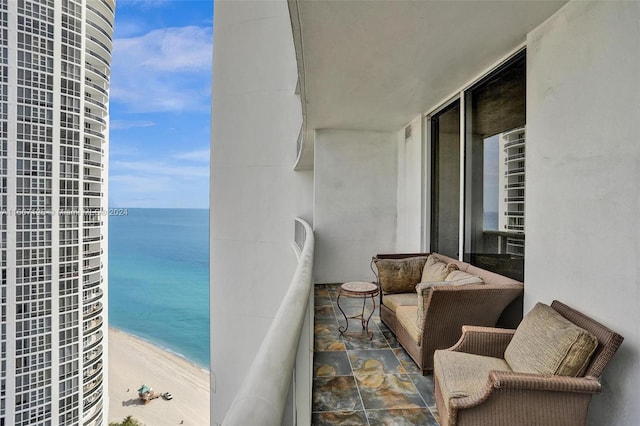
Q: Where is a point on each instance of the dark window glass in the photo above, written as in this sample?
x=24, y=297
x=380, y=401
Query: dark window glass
x=445, y=181
x=494, y=160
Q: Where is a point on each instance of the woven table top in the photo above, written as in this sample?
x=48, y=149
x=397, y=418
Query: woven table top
x=359, y=288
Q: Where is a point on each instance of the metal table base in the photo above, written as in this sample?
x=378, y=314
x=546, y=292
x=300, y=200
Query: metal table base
x=362, y=290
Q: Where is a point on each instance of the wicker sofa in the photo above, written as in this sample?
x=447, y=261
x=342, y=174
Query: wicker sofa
x=543, y=373
x=429, y=316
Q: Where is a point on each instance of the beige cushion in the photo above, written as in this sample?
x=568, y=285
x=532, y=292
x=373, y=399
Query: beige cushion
x=407, y=318
x=399, y=275
x=460, y=374
x=547, y=343
x=393, y=301
x=453, y=278
x=462, y=278
x=436, y=270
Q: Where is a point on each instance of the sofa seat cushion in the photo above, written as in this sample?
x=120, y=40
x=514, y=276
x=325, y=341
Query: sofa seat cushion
x=393, y=301
x=547, y=343
x=399, y=275
x=460, y=374
x=408, y=319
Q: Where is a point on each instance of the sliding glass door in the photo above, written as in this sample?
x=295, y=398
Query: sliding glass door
x=494, y=170
x=445, y=181
x=493, y=111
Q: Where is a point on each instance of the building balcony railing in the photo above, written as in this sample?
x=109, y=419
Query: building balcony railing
x=92, y=224
x=518, y=156
x=95, y=26
x=92, y=297
x=108, y=5
x=518, y=199
x=91, y=254
x=91, y=342
x=92, y=326
x=93, y=386
x=97, y=41
x=92, y=68
x=91, y=415
x=514, y=143
x=93, y=312
x=93, y=178
x=516, y=185
x=514, y=214
x=94, y=132
x=95, y=102
x=90, y=269
x=91, y=373
x=91, y=401
x=95, y=118
x=91, y=238
x=93, y=148
x=91, y=284
x=101, y=15
x=97, y=87
x=98, y=56
x=92, y=356
x=514, y=171
x=262, y=396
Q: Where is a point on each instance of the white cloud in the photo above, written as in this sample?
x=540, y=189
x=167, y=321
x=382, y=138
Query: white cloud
x=133, y=184
x=157, y=184
x=167, y=49
x=158, y=168
x=142, y=3
x=167, y=69
x=199, y=155
x=127, y=124
x=137, y=191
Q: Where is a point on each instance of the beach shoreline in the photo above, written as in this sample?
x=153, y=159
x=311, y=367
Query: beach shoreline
x=133, y=362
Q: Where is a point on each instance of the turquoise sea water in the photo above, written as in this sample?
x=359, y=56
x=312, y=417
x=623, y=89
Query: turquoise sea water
x=159, y=278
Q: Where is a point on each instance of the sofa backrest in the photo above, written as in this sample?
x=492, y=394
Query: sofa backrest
x=487, y=276
x=512, y=314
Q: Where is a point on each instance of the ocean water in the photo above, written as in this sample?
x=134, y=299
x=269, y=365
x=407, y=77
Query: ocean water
x=159, y=278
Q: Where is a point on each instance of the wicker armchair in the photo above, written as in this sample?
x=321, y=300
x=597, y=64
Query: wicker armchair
x=509, y=398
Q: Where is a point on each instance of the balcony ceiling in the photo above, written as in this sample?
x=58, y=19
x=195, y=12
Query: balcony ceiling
x=376, y=65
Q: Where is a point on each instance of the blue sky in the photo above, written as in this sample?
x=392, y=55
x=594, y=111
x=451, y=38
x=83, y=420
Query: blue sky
x=160, y=104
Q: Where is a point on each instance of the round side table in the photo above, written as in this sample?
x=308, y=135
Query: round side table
x=362, y=290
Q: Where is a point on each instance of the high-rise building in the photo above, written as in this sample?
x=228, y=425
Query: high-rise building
x=55, y=60
x=512, y=185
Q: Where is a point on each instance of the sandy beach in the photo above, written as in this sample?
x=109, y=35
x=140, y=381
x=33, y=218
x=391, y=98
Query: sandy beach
x=133, y=362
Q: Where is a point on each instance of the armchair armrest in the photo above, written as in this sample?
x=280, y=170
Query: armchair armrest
x=522, y=383
x=486, y=341
x=526, y=381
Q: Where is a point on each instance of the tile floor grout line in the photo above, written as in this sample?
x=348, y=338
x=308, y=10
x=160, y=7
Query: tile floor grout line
x=353, y=373
x=385, y=346
x=419, y=393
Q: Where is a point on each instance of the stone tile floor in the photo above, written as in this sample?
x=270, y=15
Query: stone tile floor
x=358, y=381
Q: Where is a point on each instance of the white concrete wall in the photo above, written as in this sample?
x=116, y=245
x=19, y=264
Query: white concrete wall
x=583, y=170
x=255, y=194
x=354, y=203
x=410, y=184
